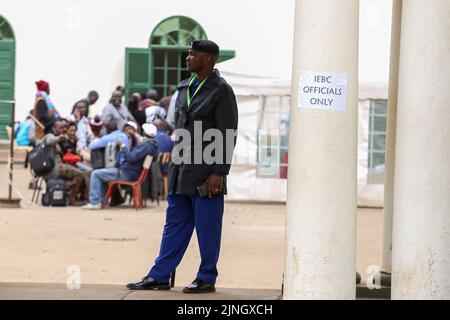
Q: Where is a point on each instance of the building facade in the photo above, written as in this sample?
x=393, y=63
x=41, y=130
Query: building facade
x=82, y=45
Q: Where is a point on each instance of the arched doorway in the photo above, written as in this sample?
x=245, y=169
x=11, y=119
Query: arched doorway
x=7, y=74
x=169, y=42
x=162, y=64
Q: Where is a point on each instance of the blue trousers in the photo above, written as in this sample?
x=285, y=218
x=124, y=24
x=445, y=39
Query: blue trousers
x=183, y=215
x=99, y=180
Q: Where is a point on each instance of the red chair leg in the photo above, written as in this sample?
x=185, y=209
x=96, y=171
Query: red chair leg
x=108, y=195
x=137, y=196
x=141, y=200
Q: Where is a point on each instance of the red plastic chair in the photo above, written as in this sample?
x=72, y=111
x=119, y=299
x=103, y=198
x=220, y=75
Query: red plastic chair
x=136, y=185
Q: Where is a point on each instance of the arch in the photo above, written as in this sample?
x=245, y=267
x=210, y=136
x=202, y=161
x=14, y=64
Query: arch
x=177, y=31
x=6, y=31
x=163, y=63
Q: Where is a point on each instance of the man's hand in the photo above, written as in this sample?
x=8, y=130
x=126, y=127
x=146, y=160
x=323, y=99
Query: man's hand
x=119, y=144
x=214, y=185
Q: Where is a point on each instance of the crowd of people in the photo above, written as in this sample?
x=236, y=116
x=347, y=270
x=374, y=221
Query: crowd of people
x=89, y=150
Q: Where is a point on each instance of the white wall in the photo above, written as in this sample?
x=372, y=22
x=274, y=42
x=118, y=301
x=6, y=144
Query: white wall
x=78, y=45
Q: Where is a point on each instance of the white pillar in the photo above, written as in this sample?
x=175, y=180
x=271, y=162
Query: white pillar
x=321, y=205
x=390, y=136
x=421, y=230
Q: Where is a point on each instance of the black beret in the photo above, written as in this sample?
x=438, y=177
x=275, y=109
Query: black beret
x=206, y=46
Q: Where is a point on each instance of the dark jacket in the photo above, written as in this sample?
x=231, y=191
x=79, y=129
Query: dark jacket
x=42, y=112
x=215, y=107
x=134, y=159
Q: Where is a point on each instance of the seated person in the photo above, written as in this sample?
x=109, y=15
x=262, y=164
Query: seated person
x=155, y=112
x=99, y=149
x=70, y=143
x=151, y=107
x=79, y=116
x=127, y=137
x=70, y=152
x=64, y=126
x=96, y=127
x=129, y=170
x=113, y=135
x=70, y=174
x=132, y=128
x=165, y=144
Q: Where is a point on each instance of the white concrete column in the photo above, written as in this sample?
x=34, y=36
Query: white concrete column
x=390, y=136
x=321, y=202
x=421, y=230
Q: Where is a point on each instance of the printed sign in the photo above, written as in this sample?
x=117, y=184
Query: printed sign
x=323, y=90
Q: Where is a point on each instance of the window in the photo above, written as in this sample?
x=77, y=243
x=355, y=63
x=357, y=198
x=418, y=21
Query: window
x=6, y=32
x=170, y=42
x=273, y=137
x=377, y=133
x=177, y=31
x=169, y=68
x=163, y=63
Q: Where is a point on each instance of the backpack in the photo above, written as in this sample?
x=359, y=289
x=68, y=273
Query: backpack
x=21, y=135
x=111, y=155
x=55, y=194
x=40, y=160
x=98, y=158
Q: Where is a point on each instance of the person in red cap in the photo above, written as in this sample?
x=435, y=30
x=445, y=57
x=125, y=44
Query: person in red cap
x=44, y=110
x=96, y=126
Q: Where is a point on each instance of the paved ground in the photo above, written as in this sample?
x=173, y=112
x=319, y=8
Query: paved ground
x=113, y=247
x=52, y=291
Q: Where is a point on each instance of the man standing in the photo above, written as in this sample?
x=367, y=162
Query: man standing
x=117, y=112
x=165, y=101
x=44, y=111
x=204, y=100
x=91, y=99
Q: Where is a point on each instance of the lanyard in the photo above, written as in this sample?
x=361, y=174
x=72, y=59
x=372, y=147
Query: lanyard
x=188, y=96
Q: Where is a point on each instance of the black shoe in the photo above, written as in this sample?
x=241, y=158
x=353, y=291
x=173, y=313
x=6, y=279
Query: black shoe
x=148, y=283
x=199, y=286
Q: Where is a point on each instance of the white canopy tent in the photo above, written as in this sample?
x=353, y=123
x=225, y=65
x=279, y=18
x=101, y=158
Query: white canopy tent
x=258, y=172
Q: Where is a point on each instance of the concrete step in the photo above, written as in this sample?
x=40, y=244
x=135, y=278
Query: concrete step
x=57, y=291
x=363, y=292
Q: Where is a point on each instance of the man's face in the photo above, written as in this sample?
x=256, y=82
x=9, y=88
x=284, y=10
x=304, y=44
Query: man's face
x=64, y=127
x=195, y=61
x=92, y=99
x=72, y=133
x=136, y=97
x=129, y=131
x=117, y=99
x=82, y=109
x=58, y=128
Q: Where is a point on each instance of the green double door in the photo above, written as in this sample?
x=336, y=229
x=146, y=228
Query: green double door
x=7, y=68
